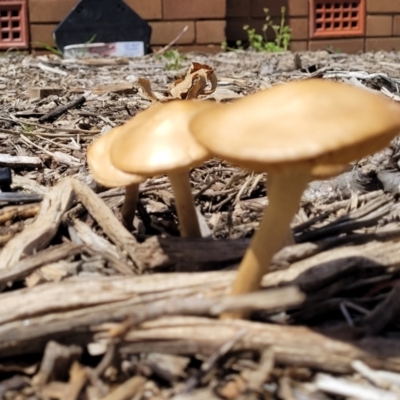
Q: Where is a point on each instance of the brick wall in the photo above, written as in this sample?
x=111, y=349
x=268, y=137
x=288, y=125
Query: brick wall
x=212, y=21
x=382, y=24
x=204, y=18
x=382, y=30
x=251, y=12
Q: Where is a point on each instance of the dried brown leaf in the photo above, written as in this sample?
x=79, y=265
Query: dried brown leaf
x=195, y=82
x=147, y=91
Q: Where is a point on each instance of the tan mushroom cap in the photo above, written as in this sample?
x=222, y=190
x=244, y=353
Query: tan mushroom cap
x=324, y=171
x=162, y=141
x=307, y=122
x=103, y=171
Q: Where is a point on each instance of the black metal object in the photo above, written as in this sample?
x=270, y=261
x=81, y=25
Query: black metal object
x=5, y=179
x=20, y=197
x=102, y=21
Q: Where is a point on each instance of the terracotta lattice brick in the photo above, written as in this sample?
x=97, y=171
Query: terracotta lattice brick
x=13, y=24
x=331, y=18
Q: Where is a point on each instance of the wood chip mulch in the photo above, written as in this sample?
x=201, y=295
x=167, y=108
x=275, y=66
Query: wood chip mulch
x=77, y=320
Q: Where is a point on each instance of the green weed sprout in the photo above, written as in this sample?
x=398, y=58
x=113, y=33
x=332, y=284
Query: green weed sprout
x=173, y=59
x=283, y=34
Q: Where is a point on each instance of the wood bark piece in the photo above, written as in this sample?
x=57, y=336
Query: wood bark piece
x=57, y=360
x=121, y=88
x=38, y=235
x=23, y=211
x=108, y=221
x=353, y=221
x=99, y=307
x=172, y=368
x=54, y=390
x=351, y=389
x=211, y=363
x=7, y=160
x=35, y=92
x=52, y=310
x=191, y=253
x=101, y=246
x=271, y=300
x=208, y=254
x=10, y=197
x=314, y=272
x=309, y=274
x=14, y=383
x=384, y=313
x=360, y=180
x=85, y=292
x=127, y=390
x=47, y=68
x=256, y=378
x=200, y=394
x=77, y=380
x=24, y=183
x=54, y=114
x=69, y=309
x=29, y=264
x=291, y=345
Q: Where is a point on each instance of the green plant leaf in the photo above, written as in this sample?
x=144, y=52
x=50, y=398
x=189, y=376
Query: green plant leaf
x=283, y=34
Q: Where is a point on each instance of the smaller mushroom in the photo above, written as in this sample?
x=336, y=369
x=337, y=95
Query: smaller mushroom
x=162, y=144
x=105, y=173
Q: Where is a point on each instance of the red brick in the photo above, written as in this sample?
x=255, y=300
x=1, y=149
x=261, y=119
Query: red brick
x=298, y=46
x=16, y=19
x=208, y=32
x=196, y=9
x=334, y=24
x=383, y=6
x=350, y=46
x=56, y=10
x=234, y=28
x=237, y=8
x=49, y=10
x=212, y=48
x=299, y=28
x=42, y=34
x=396, y=25
x=297, y=8
x=385, y=44
x=165, y=32
x=149, y=9
x=235, y=31
x=294, y=8
x=379, y=25
x=274, y=7
x=199, y=48
x=39, y=52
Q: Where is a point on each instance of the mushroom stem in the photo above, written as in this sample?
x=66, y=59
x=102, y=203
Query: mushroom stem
x=185, y=207
x=128, y=209
x=289, y=241
x=284, y=193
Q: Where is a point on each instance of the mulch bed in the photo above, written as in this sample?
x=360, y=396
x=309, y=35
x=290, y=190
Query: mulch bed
x=92, y=311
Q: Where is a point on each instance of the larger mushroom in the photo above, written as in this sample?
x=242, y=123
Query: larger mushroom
x=288, y=131
x=162, y=144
